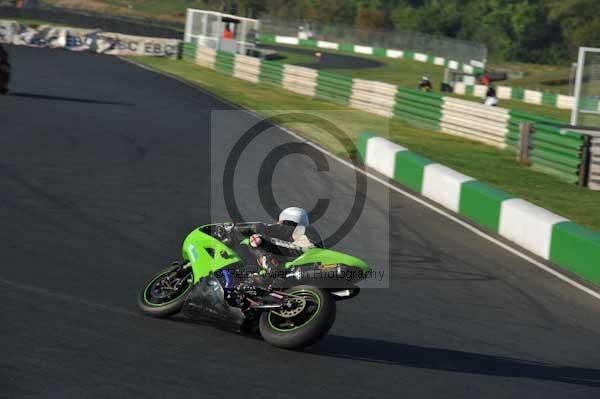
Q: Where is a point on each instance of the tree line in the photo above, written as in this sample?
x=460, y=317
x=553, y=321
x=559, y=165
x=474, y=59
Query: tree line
x=538, y=31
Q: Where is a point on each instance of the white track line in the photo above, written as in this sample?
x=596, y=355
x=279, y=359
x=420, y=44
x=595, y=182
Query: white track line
x=397, y=189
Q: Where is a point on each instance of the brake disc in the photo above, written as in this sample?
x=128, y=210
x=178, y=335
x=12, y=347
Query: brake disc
x=299, y=305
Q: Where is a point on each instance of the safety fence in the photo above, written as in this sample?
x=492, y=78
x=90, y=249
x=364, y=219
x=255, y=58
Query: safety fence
x=473, y=67
x=474, y=121
x=548, y=148
x=375, y=97
x=556, y=151
x=461, y=50
x=547, y=235
x=594, y=175
x=527, y=96
x=189, y=51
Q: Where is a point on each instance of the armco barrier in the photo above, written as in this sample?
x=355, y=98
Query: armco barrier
x=528, y=96
x=475, y=67
x=247, y=68
x=418, y=108
x=188, y=52
x=300, y=80
x=554, y=151
x=271, y=72
x=474, y=121
x=518, y=117
x=224, y=62
x=594, y=174
x=536, y=229
x=334, y=87
x=374, y=97
x=206, y=57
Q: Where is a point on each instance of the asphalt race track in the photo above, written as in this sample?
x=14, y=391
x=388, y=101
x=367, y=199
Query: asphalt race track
x=105, y=167
x=330, y=60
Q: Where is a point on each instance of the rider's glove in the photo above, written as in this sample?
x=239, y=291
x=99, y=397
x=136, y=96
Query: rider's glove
x=255, y=240
x=268, y=262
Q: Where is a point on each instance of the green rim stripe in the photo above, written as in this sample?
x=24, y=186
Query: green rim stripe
x=172, y=300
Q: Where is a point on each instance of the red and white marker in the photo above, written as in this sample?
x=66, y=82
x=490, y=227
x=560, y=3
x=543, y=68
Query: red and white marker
x=255, y=240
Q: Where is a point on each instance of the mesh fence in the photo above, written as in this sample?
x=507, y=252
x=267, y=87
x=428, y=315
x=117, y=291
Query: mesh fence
x=459, y=50
x=590, y=91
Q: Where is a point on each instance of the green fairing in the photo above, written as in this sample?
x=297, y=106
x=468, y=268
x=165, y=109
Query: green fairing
x=194, y=250
x=197, y=243
x=326, y=257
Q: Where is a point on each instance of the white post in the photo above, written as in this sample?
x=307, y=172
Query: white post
x=187, y=37
x=578, y=78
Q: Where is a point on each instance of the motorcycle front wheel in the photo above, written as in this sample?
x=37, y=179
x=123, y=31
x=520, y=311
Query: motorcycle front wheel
x=164, y=294
x=291, y=329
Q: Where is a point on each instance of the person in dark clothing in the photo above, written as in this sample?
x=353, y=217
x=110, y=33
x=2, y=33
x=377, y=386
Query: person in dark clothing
x=490, y=97
x=289, y=238
x=4, y=70
x=270, y=246
x=425, y=84
x=491, y=91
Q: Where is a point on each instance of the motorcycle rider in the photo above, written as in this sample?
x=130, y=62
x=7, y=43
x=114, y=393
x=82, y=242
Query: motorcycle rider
x=491, y=98
x=270, y=246
x=425, y=84
x=289, y=237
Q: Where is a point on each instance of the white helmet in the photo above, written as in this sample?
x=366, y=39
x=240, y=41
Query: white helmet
x=294, y=214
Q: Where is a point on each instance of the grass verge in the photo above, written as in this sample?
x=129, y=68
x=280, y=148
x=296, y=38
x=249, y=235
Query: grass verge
x=488, y=164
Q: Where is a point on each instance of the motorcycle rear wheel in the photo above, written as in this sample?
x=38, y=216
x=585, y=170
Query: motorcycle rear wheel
x=305, y=328
x=156, y=301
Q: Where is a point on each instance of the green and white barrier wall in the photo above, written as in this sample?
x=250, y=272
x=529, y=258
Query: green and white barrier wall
x=528, y=96
x=547, y=235
x=474, y=66
x=594, y=176
x=554, y=151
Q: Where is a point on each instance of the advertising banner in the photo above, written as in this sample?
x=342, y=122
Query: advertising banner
x=94, y=40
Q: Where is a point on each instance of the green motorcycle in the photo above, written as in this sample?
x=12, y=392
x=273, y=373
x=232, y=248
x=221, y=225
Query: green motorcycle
x=219, y=280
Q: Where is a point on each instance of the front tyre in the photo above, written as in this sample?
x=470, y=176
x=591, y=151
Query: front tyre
x=164, y=294
x=295, y=329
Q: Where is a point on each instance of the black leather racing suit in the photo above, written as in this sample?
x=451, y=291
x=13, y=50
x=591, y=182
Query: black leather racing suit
x=281, y=243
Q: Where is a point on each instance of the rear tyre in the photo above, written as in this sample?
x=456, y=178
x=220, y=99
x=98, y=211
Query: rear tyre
x=305, y=328
x=164, y=294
